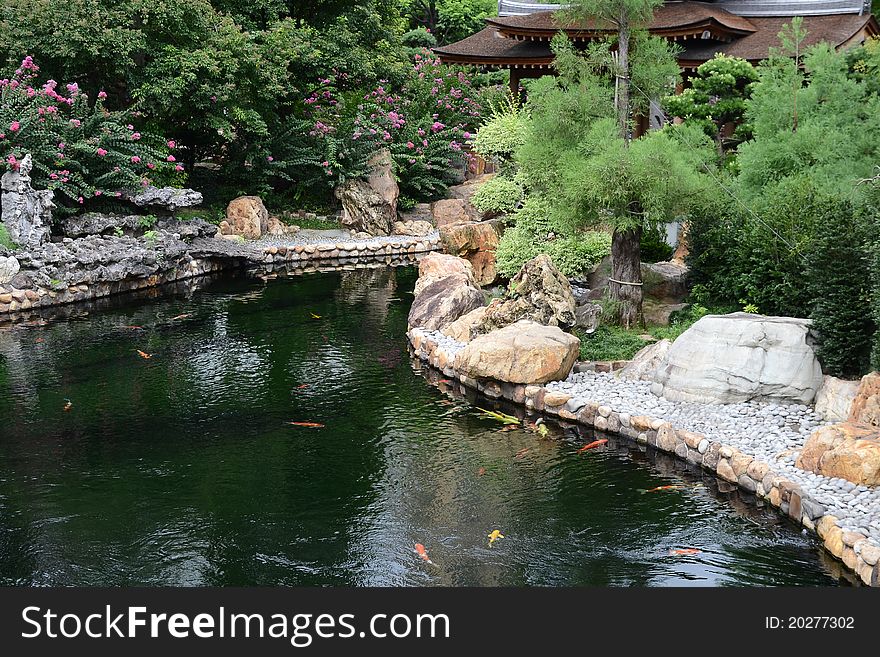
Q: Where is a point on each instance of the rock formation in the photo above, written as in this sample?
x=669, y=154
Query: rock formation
x=25, y=211
x=370, y=206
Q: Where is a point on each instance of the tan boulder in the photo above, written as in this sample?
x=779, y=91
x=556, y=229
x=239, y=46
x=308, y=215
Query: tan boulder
x=524, y=352
x=370, y=206
x=435, y=266
x=466, y=189
x=866, y=405
x=248, y=217
x=847, y=450
x=443, y=301
x=450, y=211
x=276, y=227
x=476, y=241
x=461, y=329
x=413, y=228
x=835, y=398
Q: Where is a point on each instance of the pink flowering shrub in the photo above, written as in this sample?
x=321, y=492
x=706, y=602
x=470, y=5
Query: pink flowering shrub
x=80, y=150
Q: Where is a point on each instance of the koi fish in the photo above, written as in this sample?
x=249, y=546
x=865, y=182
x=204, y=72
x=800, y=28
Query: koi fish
x=310, y=425
x=481, y=472
x=302, y=386
x=314, y=316
x=184, y=316
x=684, y=551
x=420, y=550
x=38, y=340
x=507, y=427
x=521, y=453
x=68, y=405
x=143, y=354
x=132, y=327
x=445, y=381
x=662, y=488
x=494, y=536
x=592, y=445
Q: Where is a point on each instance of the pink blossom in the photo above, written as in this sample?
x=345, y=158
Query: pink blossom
x=102, y=95
x=101, y=152
x=75, y=123
x=178, y=168
x=150, y=165
x=437, y=127
x=98, y=192
x=409, y=144
x=172, y=144
x=171, y=158
x=80, y=199
x=61, y=146
x=15, y=126
x=270, y=158
x=135, y=136
x=12, y=161
x=73, y=87
x=325, y=163
x=135, y=159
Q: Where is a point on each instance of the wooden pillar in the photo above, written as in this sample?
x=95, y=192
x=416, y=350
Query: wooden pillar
x=515, y=90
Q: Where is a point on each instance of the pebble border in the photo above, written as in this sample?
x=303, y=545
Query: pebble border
x=325, y=256
x=857, y=552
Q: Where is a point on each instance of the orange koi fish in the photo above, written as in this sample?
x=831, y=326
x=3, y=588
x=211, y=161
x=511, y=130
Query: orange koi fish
x=310, y=425
x=38, y=340
x=420, y=550
x=68, y=405
x=302, y=386
x=481, y=472
x=445, y=381
x=184, y=316
x=662, y=488
x=592, y=445
x=684, y=551
x=521, y=453
x=143, y=354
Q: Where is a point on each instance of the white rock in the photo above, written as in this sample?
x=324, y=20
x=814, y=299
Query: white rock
x=835, y=397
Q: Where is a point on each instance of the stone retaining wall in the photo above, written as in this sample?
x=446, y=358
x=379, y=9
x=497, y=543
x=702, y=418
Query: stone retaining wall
x=316, y=257
x=859, y=554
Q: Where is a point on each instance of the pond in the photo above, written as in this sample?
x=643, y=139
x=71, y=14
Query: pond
x=179, y=465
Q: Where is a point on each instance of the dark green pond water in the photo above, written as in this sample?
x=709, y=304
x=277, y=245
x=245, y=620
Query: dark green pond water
x=183, y=469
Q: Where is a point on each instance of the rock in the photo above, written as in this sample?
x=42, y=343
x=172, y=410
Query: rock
x=539, y=292
x=275, y=227
x=169, y=198
x=587, y=316
x=26, y=212
x=666, y=281
x=483, y=263
x=435, y=266
x=420, y=212
x=597, y=280
x=476, y=241
x=465, y=190
x=462, y=328
x=443, y=301
x=447, y=212
x=866, y=405
x=659, y=314
x=643, y=364
x=835, y=398
x=9, y=267
x=524, y=352
x=847, y=450
x=413, y=228
x=724, y=359
x=370, y=206
x=248, y=217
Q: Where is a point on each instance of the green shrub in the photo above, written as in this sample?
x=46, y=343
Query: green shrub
x=610, y=343
x=5, y=240
x=497, y=195
x=653, y=246
x=503, y=132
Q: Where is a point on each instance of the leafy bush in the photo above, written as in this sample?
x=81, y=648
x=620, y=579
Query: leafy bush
x=610, y=343
x=653, y=245
x=535, y=233
x=5, y=240
x=418, y=39
x=497, y=195
x=503, y=132
x=79, y=149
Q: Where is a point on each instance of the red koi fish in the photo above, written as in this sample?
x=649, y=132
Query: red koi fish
x=521, y=453
x=310, y=425
x=302, y=386
x=662, y=488
x=68, y=405
x=592, y=445
x=445, y=381
x=38, y=340
x=143, y=354
x=684, y=551
x=420, y=550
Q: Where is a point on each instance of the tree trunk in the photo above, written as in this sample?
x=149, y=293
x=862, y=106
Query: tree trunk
x=626, y=266
x=623, y=76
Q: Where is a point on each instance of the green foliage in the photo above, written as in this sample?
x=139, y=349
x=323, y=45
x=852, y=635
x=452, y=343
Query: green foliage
x=448, y=20
x=653, y=247
x=6, y=241
x=863, y=63
x=573, y=253
x=505, y=130
x=717, y=96
x=610, y=343
x=418, y=39
x=498, y=195
x=840, y=280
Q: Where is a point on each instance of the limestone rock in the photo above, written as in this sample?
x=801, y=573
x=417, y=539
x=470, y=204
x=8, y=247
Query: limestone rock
x=443, y=301
x=847, y=450
x=466, y=190
x=645, y=362
x=420, y=212
x=587, y=316
x=524, y=352
x=724, y=359
x=462, y=328
x=665, y=280
x=476, y=241
x=435, y=266
x=657, y=313
x=248, y=217
x=539, y=292
x=9, y=267
x=835, y=398
x=866, y=405
x=413, y=228
x=168, y=198
x=26, y=212
x=370, y=206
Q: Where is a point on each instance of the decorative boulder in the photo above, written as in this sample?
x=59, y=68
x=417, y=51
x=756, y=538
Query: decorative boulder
x=247, y=216
x=26, y=212
x=850, y=451
x=476, y=241
x=587, y=316
x=168, y=198
x=539, y=292
x=525, y=352
x=435, y=266
x=835, y=398
x=9, y=267
x=370, y=206
x=449, y=211
x=866, y=405
x=725, y=359
x=413, y=228
x=665, y=280
x=462, y=328
x=443, y=301
x=645, y=362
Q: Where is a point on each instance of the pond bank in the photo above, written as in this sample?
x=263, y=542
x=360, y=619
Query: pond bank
x=589, y=399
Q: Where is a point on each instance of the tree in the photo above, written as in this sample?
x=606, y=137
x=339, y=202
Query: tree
x=623, y=16
x=449, y=20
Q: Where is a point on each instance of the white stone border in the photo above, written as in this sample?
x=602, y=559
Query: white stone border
x=858, y=553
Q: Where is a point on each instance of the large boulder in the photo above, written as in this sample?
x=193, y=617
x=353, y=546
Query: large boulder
x=462, y=328
x=9, y=267
x=370, y=206
x=26, y=212
x=435, y=266
x=166, y=198
x=413, y=228
x=539, y=292
x=666, y=281
x=724, y=359
x=835, y=398
x=848, y=450
x=248, y=217
x=449, y=211
x=443, y=301
x=524, y=352
x=476, y=241
x=466, y=190
x=645, y=362
x=866, y=404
